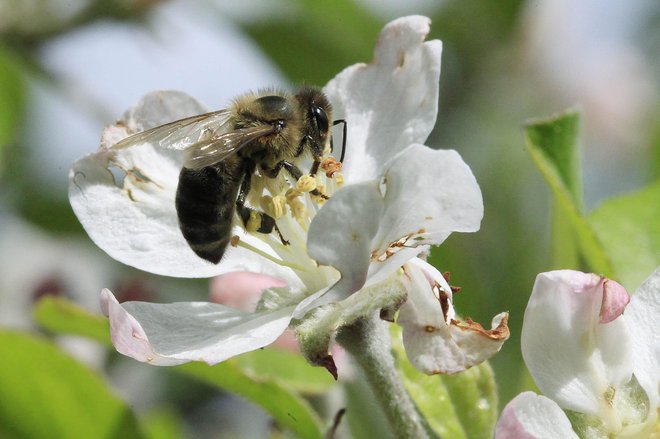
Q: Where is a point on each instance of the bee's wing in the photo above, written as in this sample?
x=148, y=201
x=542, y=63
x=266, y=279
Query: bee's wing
x=182, y=133
x=216, y=147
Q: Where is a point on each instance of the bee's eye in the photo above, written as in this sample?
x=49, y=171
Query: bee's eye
x=321, y=119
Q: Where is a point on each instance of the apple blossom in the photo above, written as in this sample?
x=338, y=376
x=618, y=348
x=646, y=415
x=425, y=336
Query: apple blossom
x=347, y=257
x=598, y=367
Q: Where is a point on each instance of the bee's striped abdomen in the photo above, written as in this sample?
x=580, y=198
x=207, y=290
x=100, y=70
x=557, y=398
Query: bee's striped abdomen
x=205, y=203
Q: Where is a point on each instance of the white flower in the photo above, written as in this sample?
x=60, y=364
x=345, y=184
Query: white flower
x=597, y=364
x=354, y=254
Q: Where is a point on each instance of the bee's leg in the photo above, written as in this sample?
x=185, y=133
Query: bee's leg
x=254, y=220
x=296, y=173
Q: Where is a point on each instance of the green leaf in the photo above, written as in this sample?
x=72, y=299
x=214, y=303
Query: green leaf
x=12, y=96
x=286, y=368
x=553, y=145
x=162, y=424
x=61, y=316
x=461, y=406
x=48, y=394
x=288, y=409
x=629, y=228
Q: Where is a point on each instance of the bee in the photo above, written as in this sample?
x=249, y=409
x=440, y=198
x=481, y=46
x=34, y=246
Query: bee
x=266, y=131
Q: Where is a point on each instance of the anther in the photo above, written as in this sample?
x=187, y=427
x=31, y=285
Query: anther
x=306, y=183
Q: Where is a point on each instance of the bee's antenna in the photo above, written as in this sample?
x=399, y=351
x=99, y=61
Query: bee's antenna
x=343, y=138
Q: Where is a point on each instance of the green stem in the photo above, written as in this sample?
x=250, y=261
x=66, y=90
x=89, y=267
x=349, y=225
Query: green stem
x=368, y=341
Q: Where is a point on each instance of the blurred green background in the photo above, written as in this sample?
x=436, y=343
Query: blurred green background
x=67, y=68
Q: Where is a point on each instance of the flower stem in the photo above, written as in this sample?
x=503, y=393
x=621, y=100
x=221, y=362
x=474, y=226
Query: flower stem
x=368, y=341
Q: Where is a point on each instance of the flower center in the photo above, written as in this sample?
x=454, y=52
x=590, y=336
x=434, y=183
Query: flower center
x=293, y=205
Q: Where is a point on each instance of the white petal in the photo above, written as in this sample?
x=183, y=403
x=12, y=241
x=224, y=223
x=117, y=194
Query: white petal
x=436, y=345
x=132, y=215
x=531, y=416
x=169, y=334
x=391, y=102
x=160, y=107
x=379, y=270
x=574, y=358
x=342, y=231
x=429, y=194
x=643, y=318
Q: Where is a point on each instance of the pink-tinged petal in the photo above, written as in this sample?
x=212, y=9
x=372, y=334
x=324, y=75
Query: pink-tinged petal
x=435, y=344
x=127, y=335
x=124, y=198
x=170, y=334
x=532, y=416
x=643, y=318
x=574, y=358
x=242, y=289
x=428, y=195
x=287, y=341
x=615, y=299
x=390, y=102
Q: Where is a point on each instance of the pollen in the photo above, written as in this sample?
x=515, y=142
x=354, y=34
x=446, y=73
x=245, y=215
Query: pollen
x=297, y=209
x=292, y=194
x=331, y=166
x=339, y=179
x=321, y=197
x=254, y=222
x=306, y=183
x=274, y=206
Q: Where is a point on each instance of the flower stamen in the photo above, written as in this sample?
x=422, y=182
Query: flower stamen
x=306, y=183
x=265, y=255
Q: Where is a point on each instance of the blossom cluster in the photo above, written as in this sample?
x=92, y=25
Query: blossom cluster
x=359, y=252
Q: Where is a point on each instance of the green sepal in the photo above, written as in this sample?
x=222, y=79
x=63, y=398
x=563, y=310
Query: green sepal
x=317, y=330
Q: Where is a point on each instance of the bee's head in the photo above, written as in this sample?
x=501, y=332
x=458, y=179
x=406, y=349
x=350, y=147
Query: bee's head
x=317, y=116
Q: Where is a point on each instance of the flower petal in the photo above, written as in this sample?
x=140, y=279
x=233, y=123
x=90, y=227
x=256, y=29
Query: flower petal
x=573, y=357
x=391, y=102
x=643, y=317
x=429, y=194
x=435, y=345
x=532, y=416
x=170, y=334
x=341, y=235
x=615, y=299
x=132, y=215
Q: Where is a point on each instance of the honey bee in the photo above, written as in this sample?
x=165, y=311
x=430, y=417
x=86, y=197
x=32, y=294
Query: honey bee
x=263, y=131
